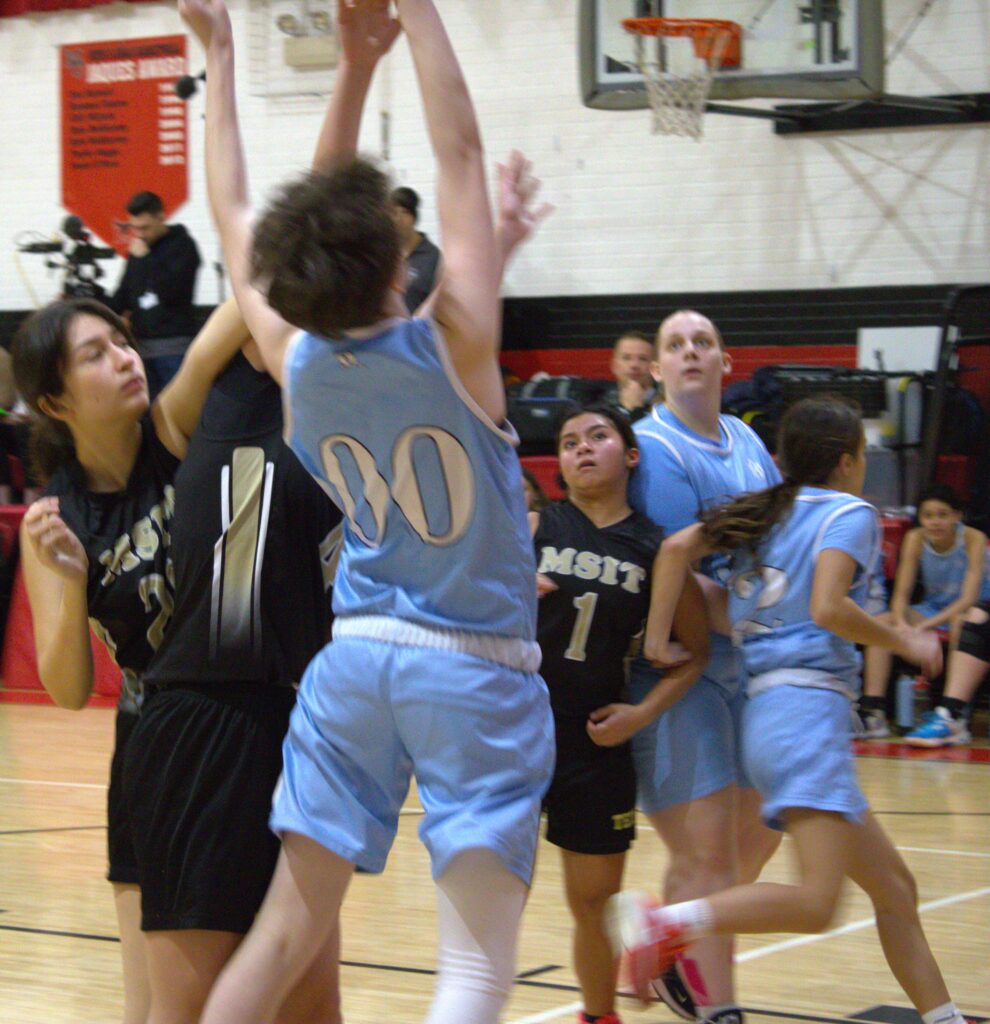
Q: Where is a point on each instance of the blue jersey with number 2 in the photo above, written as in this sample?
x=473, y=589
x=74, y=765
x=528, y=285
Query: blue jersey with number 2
x=435, y=527
x=770, y=600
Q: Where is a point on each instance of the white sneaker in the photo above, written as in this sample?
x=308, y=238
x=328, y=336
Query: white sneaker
x=875, y=725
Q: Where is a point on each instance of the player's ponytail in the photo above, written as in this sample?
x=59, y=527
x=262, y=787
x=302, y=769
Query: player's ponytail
x=814, y=435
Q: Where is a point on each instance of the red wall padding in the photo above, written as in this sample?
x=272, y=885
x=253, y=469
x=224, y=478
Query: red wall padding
x=20, y=665
x=594, y=362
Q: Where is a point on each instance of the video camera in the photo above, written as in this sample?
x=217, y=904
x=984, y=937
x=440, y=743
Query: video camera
x=79, y=258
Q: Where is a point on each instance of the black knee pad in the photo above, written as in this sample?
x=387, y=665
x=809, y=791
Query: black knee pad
x=974, y=638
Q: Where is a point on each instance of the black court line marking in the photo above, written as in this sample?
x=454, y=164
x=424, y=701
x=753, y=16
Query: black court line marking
x=535, y=971
x=57, y=934
x=523, y=979
x=35, y=831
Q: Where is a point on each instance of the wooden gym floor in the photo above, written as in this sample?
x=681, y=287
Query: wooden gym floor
x=59, y=955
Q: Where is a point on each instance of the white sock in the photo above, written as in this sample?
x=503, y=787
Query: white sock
x=479, y=904
x=948, y=1013
x=694, y=918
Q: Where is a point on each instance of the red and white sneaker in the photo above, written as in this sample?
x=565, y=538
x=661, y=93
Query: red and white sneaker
x=646, y=943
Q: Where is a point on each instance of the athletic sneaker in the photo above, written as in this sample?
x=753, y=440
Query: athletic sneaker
x=639, y=934
x=609, y=1018
x=725, y=1017
x=875, y=725
x=939, y=729
x=669, y=988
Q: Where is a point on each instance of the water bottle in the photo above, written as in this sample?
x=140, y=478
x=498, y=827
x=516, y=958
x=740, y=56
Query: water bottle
x=904, y=701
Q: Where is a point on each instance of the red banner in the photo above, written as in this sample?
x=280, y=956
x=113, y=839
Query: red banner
x=124, y=129
x=15, y=8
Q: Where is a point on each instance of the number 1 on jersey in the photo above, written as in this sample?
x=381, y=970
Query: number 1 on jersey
x=585, y=605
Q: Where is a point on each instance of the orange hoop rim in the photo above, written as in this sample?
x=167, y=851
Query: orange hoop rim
x=695, y=27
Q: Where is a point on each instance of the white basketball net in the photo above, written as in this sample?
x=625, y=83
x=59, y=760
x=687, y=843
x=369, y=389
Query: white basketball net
x=678, y=98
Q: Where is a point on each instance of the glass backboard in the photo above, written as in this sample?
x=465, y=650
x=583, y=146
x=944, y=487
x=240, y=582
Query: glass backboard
x=801, y=49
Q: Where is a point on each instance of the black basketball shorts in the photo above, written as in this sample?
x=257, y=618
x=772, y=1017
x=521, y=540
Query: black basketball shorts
x=121, y=858
x=201, y=768
x=591, y=803
x=974, y=638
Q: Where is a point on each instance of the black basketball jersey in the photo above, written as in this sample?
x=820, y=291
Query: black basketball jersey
x=587, y=626
x=126, y=535
x=254, y=540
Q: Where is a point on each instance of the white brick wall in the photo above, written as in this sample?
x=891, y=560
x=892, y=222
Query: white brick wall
x=743, y=209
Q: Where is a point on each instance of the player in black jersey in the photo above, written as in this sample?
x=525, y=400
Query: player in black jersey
x=594, y=559
x=95, y=548
x=254, y=539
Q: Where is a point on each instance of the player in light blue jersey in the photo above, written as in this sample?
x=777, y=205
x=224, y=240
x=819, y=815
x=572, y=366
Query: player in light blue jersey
x=949, y=560
x=689, y=778
x=433, y=664
x=802, y=555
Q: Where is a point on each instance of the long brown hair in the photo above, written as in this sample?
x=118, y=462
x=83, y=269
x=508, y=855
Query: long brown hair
x=814, y=435
x=40, y=353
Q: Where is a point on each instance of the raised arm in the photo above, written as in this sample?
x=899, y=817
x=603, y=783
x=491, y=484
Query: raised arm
x=226, y=177
x=176, y=410
x=467, y=304
x=55, y=568
x=366, y=31
x=518, y=218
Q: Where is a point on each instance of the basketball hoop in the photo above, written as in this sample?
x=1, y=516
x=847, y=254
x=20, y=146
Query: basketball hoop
x=678, y=89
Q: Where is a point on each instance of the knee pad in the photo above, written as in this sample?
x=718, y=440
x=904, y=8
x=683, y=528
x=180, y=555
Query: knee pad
x=974, y=638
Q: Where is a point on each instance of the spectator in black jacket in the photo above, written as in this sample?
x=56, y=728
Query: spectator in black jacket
x=422, y=256
x=156, y=291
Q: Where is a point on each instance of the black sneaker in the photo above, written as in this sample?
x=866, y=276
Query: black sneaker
x=733, y=1016
x=670, y=989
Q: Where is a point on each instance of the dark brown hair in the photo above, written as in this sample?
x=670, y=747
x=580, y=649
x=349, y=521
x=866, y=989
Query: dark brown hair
x=618, y=419
x=40, y=353
x=540, y=499
x=632, y=336
x=144, y=202
x=814, y=435
x=326, y=249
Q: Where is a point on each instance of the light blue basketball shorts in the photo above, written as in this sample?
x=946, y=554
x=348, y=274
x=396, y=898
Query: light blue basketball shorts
x=796, y=749
x=477, y=735
x=692, y=750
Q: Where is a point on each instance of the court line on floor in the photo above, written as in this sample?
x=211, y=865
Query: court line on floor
x=47, y=782
x=947, y=853
x=855, y=926
x=62, y=828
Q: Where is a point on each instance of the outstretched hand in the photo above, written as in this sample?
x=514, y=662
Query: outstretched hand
x=517, y=190
x=208, y=19
x=366, y=29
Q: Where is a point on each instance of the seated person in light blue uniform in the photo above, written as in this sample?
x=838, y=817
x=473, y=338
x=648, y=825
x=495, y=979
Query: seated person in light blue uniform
x=689, y=779
x=802, y=557
x=433, y=666
x=950, y=561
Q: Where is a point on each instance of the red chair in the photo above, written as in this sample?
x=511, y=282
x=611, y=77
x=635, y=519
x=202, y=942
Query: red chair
x=20, y=663
x=545, y=468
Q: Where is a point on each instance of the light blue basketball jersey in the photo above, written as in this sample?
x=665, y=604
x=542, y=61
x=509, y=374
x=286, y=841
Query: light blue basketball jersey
x=680, y=472
x=770, y=599
x=435, y=527
x=942, y=575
